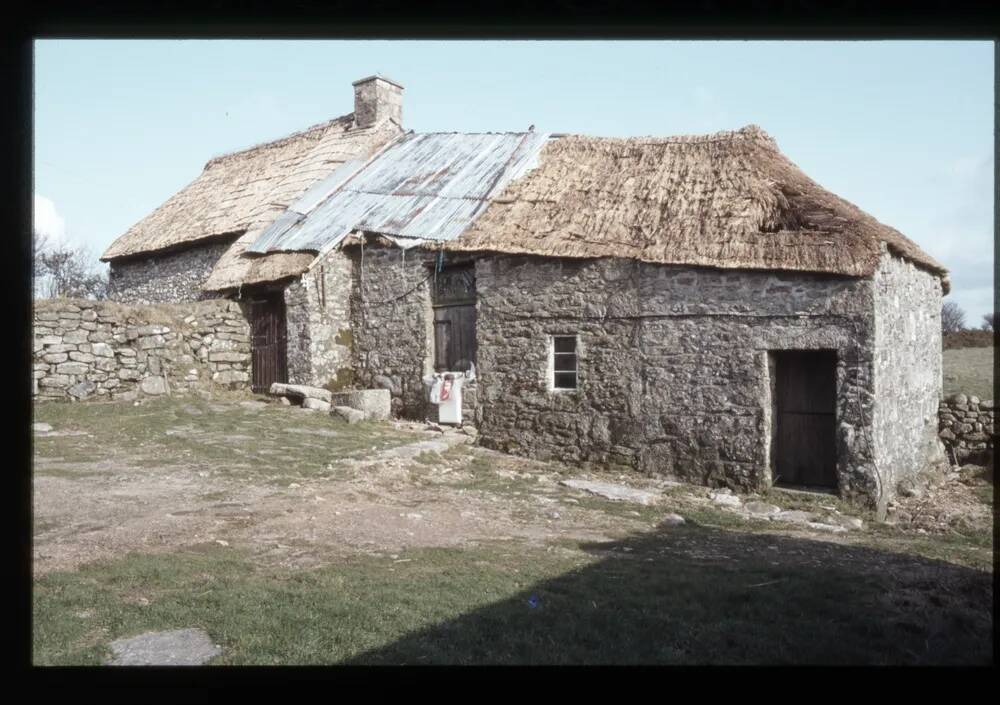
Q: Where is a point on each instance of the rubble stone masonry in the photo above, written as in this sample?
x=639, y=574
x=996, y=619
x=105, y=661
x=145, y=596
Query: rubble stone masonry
x=89, y=349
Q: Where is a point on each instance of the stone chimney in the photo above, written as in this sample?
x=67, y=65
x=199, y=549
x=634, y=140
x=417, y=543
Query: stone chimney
x=377, y=99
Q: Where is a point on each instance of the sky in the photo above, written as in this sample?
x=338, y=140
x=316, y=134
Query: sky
x=902, y=129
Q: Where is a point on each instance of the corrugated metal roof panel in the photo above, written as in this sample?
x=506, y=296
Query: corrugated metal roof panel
x=428, y=186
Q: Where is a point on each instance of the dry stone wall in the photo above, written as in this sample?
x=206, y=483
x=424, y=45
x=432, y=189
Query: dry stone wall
x=967, y=428
x=88, y=349
x=164, y=278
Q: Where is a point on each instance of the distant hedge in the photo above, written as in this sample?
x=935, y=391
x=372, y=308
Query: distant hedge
x=968, y=339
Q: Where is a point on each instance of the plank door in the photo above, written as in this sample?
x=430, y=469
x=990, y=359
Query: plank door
x=805, y=451
x=268, y=342
x=455, y=318
x=454, y=337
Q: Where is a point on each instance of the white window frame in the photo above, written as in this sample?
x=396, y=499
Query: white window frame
x=552, y=364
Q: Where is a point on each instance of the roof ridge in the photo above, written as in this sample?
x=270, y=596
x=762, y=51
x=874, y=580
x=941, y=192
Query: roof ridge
x=281, y=141
x=746, y=133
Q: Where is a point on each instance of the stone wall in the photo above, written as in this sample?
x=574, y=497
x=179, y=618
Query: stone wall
x=908, y=368
x=89, y=349
x=393, y=324
x=675, y=375
x=319, y=328
x=966, y=426
x=164, y=278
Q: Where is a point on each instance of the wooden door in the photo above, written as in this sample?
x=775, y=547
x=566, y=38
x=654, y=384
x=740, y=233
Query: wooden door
x=454, y=337
x=805, y=452
x=455, y=318
x=268, y=342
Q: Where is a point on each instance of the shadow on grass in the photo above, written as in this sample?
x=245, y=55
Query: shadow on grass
x=699, y=595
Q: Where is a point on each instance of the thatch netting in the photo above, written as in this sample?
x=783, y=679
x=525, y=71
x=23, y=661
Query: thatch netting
x=728, y=200
x=237, y=191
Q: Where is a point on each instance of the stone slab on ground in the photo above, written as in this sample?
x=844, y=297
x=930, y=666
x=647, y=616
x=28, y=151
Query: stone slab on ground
x=316, y=404
x=180, y=647
x=672, y=520
x=619, y=493
x=374, y=403
x=41, y=427
x=725, y=499
x=348, y=414
x=302, y=391
x=761, y=508
x=794, y=516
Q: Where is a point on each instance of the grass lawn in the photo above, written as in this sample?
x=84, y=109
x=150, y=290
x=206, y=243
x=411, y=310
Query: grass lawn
x=969, y=371
x=747, y=599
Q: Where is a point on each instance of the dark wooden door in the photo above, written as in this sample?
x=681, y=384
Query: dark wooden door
x=454, y=337
x=268, y=342
x=455, y=318
x=805, y=400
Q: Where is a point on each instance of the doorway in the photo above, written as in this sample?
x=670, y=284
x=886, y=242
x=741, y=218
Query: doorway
x=805, y=417
x=268, y=341
x=455, y=318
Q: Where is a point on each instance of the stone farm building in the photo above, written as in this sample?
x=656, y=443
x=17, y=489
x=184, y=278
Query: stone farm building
x=692, y=307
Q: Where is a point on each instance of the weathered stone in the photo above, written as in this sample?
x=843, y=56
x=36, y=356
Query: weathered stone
x=794, y=516
x=54, y=381
x=227, y=356
x=301, y=390
x=182, y=647
x=672, y=520
x=81, y=357
x=101, y=350
x=126, y=352
x=725, y=499
x=374, y=403
x=39, y=427
x=151, y=341
x=82, y=390
x=230, y=377
x=128, y=373
x=315, y=404
x=72, y=368
x=153, y=385
x=829, y=528
x=348, y=414
x=55, y=357
x=761, y=508
x=619, y=493
x=75, y=336
x=848, y=522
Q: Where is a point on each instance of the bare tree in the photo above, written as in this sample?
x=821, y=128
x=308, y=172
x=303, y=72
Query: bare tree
x=64, y=271
x=952, y=318
x=989, y=321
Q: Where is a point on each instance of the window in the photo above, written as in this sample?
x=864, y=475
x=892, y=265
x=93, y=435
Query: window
x=564, y=362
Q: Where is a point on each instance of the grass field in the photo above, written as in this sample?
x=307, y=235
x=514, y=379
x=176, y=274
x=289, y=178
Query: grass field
x=249, y=521
x=969, y=371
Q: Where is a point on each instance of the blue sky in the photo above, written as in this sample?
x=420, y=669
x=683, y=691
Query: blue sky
x=903, y=129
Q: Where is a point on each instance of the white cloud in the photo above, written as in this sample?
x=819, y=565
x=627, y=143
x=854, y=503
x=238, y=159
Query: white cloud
x=47, y=220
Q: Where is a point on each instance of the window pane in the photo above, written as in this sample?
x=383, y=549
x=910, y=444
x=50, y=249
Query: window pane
x=564, y=344
x=565, y=380
x=565, y=363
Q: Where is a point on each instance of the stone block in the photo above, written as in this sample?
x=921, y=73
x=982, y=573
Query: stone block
x=224, y=356
x=300, y=390
x=316, y=404
x=72, y=368
x=230, y=377
x=82, y=390
x=375, y=404
x=153, y=385
x=75, y=336
x=101, y=350
x=81, y=356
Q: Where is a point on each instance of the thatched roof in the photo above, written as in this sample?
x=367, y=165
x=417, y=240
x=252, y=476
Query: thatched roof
x=246, y=190
x=729, y=200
